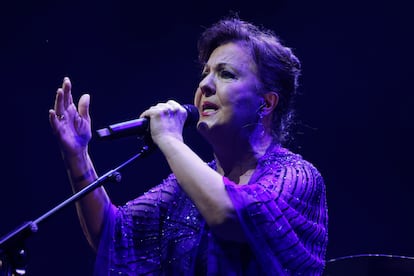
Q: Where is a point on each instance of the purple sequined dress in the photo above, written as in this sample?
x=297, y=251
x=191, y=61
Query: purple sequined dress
x=282, y=211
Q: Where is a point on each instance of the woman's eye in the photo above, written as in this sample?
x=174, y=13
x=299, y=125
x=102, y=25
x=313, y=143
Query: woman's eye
x=227, y=74
x=203, y=75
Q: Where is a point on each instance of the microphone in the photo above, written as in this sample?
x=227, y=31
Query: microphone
x=140, y=127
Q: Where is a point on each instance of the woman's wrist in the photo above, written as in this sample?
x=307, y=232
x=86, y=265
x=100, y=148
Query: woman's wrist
x=167, y=140
x=79, y=168
x=79, y=178
x=78, y=157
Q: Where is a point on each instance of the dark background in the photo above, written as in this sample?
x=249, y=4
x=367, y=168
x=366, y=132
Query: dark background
x=354, y=108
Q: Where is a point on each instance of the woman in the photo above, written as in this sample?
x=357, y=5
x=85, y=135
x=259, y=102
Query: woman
x=256, y=209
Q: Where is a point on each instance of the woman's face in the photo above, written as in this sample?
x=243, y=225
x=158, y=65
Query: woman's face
x=227, y=96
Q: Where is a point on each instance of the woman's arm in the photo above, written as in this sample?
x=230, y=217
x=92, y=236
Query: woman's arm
x=73, y=129
x=201, y=183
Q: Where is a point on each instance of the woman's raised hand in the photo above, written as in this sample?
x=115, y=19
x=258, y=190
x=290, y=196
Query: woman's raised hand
x=71, y=125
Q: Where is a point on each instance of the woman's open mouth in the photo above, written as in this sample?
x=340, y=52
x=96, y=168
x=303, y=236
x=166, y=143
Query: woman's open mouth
x=208, y=108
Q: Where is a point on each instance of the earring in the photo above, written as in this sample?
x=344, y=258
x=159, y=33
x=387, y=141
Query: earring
x=260, y=110
x=261, y=115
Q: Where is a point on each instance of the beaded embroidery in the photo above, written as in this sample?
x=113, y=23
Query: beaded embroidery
x=282, y=212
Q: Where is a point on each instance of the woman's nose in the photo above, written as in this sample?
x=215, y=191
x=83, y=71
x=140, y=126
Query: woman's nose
x=207, y=86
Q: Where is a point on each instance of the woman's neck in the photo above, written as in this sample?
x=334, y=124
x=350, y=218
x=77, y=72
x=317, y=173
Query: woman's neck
x=238, y=161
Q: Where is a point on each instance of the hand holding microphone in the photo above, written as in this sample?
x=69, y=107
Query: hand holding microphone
x=141, y=127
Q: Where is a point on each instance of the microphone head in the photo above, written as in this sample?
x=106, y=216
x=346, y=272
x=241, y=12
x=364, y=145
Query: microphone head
x=192, y=115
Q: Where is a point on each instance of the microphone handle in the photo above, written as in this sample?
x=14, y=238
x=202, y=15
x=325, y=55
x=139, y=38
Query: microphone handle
x=140, y=127
x=124, y=129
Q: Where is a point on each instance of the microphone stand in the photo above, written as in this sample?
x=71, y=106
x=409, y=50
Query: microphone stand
x=13, y=255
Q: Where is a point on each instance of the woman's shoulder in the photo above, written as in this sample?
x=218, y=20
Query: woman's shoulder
x=282, y=162
x=283, y=157
x=290, y=175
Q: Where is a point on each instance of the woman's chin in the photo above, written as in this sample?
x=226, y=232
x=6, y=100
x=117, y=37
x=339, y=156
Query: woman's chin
x=203, y=127
x=207, y=130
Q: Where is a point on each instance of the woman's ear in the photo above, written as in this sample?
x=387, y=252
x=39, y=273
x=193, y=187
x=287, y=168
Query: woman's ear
x=271, y=100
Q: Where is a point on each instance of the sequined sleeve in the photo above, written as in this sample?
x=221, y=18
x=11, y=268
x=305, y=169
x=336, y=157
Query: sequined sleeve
x=284, y=217
x=130, y=241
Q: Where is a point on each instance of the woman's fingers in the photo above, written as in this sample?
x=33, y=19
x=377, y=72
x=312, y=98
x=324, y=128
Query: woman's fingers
x=59, y=102
x=52, y=118
x=67, y=94
x=83, y=106
x=63, y=97
x=167, y=109
x=176, y=107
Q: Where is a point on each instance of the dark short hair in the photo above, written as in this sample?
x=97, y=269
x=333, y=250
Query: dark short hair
x=278, y=68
